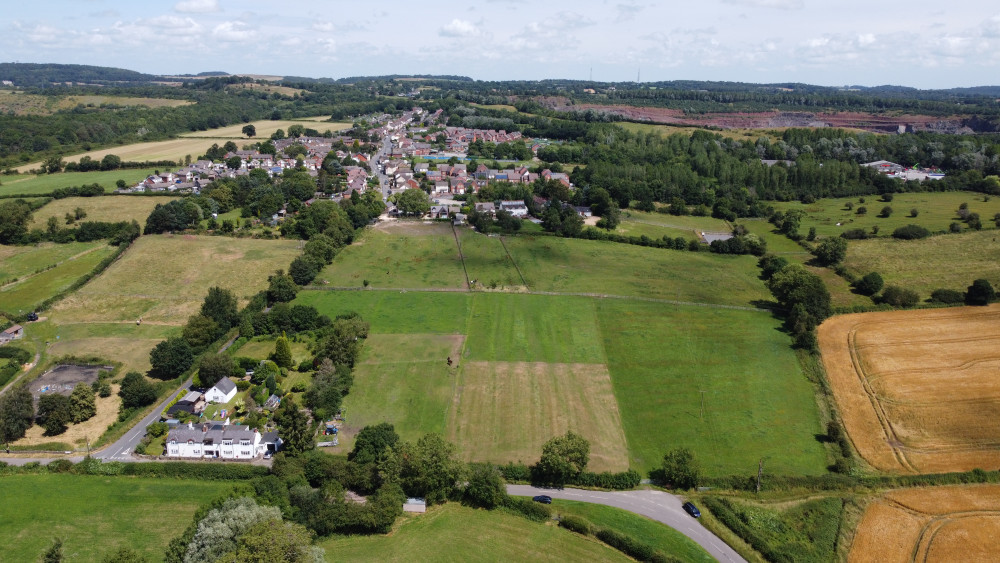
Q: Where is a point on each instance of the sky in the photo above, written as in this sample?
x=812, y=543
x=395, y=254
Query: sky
x=919, y=43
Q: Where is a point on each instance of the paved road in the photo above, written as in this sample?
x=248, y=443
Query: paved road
x=658, y=505
x=123, y=448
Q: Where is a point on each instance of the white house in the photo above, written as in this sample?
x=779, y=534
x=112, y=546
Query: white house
x=516, y=208
x=222, y=441
x=222, y=392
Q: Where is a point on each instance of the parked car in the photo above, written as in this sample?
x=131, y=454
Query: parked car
x=267, y=455
x=544, y=499
x=32, y=316
x=691, y=509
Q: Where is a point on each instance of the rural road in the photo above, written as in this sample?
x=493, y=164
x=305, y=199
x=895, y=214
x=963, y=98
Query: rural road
x=657, y=505
x=122, y=449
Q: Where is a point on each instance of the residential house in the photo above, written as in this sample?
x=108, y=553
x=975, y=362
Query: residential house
x=486, y=207
x=220, y=441
x=192, y=403
x=221, y=392
x=517, y=208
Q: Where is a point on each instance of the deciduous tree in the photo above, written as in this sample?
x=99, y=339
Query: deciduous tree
x=82, y=404
x=17, y=411
x=680, y=468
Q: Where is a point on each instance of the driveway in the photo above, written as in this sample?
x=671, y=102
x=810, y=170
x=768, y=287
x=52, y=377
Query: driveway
x=657, y=505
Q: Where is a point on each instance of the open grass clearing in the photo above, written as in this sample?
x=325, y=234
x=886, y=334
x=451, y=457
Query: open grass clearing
x=144, y=514
x=20, y=103
x=506, y=411
x=264, y=128
x=652, y=533
x=664, y=360
x=110, y=209
x=399, y=255
x=571, y=265
x=26, y=294
x=140, y=285
x=20, y=261
x=949, y=523
x=688, y=223
x=396, y=312
x=403, y=379
x=916, y=389
x=457, y=533
x=32, y=184
x=487, y=262
x=777, y=243
x=935, y=211
x=261, y=348
x=133, y=353
x=940, y=262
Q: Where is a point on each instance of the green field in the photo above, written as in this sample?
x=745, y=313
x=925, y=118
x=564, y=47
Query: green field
x=487, y=262
x=109, y=209
x=455, y=533
x=399, y=255
x=96, y=515
x=396, y=312
x=46, y=183
x=950, y=261
x=935, y=212
x=758, y=404
x=657, y=225
x=123, y=342
x=650, y=532
x=140, y=285
x=20, y=261
x=262, y=347
x=572, y=265
x=29, y=292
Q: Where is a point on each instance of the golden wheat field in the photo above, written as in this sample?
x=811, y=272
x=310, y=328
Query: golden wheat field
x=918, y=390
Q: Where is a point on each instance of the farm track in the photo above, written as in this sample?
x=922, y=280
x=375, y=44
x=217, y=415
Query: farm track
x=551, y=293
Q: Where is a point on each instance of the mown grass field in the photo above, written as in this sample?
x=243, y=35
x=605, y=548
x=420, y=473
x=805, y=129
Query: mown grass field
x=109, y=209
x=396, y=312
x=658, y=225
x=455, y=533
x=20, y=261
x=31, y=184
x=650, y=532
x=946, y=261
x=261, y=348
x=144, y=514
x=24, y=295
x=401, y=256
x=665, y=359
x=140, y=284
x=264, y=127
x=487, y=262
x=935, y=211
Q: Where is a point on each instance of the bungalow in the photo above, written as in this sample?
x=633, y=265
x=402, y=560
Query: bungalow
x=219, y=440
x=15, y=332
x=516, y=208
x=221, y=392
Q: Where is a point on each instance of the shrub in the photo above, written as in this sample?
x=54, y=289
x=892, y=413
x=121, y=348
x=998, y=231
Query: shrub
x=886, y=211
x=576, y=524
x=911, y=232
x=870, y=284
x=947, y=296
x=900, y=297
x=528, y=508
x=626, y=544
x=854, y=234
x=981, y=292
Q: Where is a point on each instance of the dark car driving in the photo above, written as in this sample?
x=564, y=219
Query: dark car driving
x=544, y=499
x=691, y=509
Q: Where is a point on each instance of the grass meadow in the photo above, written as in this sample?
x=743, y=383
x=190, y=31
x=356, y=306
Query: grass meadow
x=665, y=359
x=950, y=261
x=650, y=532
x=487, y=262
x=31, y=184
x=123, y=342
x=17, y=262
x=144, y=514
x=658, y=225
x=29, y=292
x=108, y=209
x=456, y=533
x=396, y=312
x=935, y=211
x=141, y=285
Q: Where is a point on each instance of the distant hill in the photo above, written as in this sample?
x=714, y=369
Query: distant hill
x=353, y=79
x=42, y=75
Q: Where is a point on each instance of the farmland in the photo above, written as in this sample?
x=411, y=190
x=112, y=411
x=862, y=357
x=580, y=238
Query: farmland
x=946, y=261
x=138, y=285
x=658, y=225
x=264, y=128
x=29, y=292
x=31, y=184
x=930, y=524
x=936, y=211
x=469, y=535
x=915, y=388
x=19, y=103
x=20, y=261
x=144, y=514
x=108, y=208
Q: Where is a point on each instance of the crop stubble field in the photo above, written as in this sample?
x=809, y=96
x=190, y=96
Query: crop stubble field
x=109, y=209
x=916, y=389
x=955, y=523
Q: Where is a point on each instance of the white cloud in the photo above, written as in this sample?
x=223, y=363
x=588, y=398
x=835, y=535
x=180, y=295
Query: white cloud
x=325, y=27
x=197, y=6
x=776, y=4
x=459, y=28
x=234, y=32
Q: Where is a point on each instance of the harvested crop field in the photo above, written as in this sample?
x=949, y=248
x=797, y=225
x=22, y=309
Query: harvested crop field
x=960, y=523
x=505, y=411
x=107, y=208
x=917, y=390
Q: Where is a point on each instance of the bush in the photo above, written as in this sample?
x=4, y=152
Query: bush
x=528, y=508
x=626, y=544
x=911, y=232
x=576, y=524
x=947, y=296
x=854, y=234
x=870, y=284
x=899, y=297
x=981, y=292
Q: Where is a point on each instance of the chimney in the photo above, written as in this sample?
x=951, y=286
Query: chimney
x=204, y=427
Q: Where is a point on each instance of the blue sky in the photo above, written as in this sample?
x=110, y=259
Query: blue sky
x=913, y=43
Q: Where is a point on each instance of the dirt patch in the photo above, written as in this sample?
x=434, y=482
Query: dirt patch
x=960, y=523
x=917, y=389
x=79, y=434
x=505, y=411
x=63, y=378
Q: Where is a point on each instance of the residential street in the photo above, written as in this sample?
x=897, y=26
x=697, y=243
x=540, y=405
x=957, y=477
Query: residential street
x=123, y=448
x=657, y=505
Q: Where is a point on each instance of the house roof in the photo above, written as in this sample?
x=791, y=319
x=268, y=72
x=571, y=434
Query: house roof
x=211, y=433
x=13, y=329
x=225, y=385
